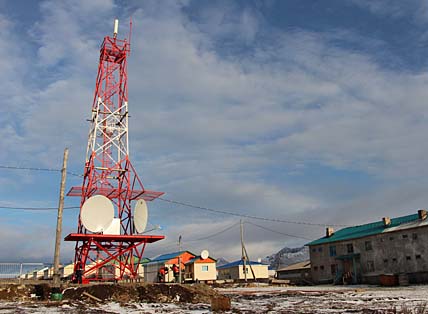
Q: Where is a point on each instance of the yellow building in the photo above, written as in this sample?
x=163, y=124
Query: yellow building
x=200, y=270
x=235, y=271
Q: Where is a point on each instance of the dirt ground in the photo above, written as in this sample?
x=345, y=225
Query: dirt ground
x=176, y=299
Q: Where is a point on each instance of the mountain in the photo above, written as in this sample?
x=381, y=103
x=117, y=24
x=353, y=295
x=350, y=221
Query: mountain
x=221, y=261
x=287, y=256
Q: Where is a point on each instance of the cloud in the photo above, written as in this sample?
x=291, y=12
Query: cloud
x=237, y=129
x=416, y=9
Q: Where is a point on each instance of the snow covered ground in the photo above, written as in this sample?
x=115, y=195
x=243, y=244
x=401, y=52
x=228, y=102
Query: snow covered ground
x=317, y=299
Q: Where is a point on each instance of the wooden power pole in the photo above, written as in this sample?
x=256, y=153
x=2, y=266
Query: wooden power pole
x=56, y=274
x=243, y=255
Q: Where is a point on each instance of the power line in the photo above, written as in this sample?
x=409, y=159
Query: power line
x=215, y=234
x=271, y=230
x=218, y=211
x=39, y=169
x=36, y=208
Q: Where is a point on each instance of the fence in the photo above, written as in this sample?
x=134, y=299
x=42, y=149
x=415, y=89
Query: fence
x=19, y=270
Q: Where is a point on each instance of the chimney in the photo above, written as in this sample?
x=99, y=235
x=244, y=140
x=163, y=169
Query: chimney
x=422, y=214
x=386, y=221
x=329, y=232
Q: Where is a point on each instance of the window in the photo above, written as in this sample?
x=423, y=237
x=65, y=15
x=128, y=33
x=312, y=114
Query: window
x=321, y=267
x=414, y=236
x=204, y=267
x=333, y=250
x=408, y=258
x=370, y=266
x=333, y=269
x=368, y=245
x=418, y=256
x=391, y=238
x=314, y=250
x=320, y=249
x=394, y=260
x=350, y=248
x=385, y=261
x=404, y=236
x=315, y=268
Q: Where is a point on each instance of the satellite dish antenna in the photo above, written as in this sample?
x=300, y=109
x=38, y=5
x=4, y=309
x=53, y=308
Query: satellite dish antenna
x=140, y=215
x=97, y=213
x=205, y=254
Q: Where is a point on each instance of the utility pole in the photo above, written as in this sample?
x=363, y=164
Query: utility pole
x=243, y=255
x=56, y=274
x=179, y=259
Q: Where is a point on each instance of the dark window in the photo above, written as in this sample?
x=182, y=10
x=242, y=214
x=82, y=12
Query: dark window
x=333, y=250
x=333, y=269
x=370, y=266
x=408, y=258
x=404, y=236
x=320, y=249
x=385, y=261
x=315, y=268
x=314, y=250
x=368, y=245
x=350, y=248
x=321, y=267
x=391, y=238
x=418, y=256
x=394, y=260
x=414, y=236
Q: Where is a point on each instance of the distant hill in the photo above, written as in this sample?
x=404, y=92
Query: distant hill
x=221, y=261
x=287, y=256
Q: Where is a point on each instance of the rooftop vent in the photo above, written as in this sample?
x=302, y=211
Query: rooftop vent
x=329, y=232
x=386, y=221
x=422, y=214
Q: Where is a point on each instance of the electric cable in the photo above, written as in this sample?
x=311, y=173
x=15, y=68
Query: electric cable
x=274, y=231
x=215, y=234
x=36, y=208
x=39, y=169
x=250, y=216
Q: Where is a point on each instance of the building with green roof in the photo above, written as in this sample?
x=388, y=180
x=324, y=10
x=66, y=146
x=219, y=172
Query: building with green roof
x=367, y=253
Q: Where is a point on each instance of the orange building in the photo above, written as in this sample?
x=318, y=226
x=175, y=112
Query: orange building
x=166, y=261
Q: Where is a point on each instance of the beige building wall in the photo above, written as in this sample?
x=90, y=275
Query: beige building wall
x=237, y=272
x=204, y=271
x=67, y=270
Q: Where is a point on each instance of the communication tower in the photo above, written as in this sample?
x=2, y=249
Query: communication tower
x=110, y=238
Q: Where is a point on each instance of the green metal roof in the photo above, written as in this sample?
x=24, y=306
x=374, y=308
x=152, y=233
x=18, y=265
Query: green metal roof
x=364, y=230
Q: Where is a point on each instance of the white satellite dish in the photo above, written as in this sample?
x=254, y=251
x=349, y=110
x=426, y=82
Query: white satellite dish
x=205, y=254
x=140, y=215
x=97, y=213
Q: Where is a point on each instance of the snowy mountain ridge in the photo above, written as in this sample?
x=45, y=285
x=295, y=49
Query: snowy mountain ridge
x=287, y=256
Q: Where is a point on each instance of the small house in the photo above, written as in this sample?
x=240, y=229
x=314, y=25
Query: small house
x=200, y=270
x=166, y=261
x=236, y=271
x=298, y=273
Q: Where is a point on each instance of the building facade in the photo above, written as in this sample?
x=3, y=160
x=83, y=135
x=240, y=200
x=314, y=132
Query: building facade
x=200, y=270
x=298, y=273
x=166, y=261
x=365, y=253
x=236, y=271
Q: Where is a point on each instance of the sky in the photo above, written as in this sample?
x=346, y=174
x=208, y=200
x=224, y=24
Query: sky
x=305, y=111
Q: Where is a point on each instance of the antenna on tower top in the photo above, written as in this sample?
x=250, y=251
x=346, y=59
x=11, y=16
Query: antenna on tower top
x=116, y=28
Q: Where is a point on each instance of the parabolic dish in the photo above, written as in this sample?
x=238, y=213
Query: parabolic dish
x=205, y=254
x=97, y=213
x=140, y=215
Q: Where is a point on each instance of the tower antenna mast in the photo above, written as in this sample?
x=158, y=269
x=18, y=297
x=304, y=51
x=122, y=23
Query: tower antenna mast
x=110, y=251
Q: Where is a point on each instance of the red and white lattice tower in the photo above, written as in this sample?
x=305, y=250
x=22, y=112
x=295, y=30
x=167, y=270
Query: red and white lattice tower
x=109, y=172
